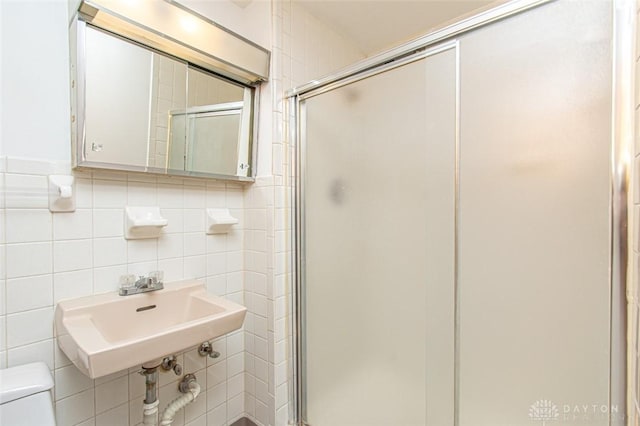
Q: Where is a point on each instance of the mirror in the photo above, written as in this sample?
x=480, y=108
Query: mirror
x=204, y=136
x=142, y=110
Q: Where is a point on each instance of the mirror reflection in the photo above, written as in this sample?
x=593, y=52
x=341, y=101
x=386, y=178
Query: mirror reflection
x=147, y=111
x=204, y=136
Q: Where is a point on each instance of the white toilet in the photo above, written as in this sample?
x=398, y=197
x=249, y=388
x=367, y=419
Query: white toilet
x=25, y=397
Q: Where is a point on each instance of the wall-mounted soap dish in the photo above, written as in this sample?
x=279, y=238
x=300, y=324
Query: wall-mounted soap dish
x=219, y=221
x=143, y=222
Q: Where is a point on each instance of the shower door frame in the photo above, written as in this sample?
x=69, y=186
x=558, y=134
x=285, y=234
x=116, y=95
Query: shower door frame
x=444, y=38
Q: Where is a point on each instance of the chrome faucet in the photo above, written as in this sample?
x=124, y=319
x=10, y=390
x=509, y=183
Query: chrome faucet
x=130, y=284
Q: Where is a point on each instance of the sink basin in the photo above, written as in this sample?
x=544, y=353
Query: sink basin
x=106, y=333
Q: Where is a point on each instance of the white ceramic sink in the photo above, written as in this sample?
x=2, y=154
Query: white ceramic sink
x=106, y=333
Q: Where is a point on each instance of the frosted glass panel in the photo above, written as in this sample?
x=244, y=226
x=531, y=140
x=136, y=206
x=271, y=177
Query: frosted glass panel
x=214, y=143
x=534, y=217
x=379, y=232
x=483, y=298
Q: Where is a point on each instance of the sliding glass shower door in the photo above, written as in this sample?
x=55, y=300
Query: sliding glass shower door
x=455, y=231
x=534, y=246
x=379, y=236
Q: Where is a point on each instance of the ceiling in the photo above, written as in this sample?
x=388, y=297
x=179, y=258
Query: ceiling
x=376, y=25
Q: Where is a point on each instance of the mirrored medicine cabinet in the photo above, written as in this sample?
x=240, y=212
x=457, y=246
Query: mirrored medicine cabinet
x=149, y=97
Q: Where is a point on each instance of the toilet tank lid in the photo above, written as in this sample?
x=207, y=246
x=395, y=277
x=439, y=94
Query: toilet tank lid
x=24, y=380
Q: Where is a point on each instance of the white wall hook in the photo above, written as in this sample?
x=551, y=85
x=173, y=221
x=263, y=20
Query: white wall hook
x=143, y=222
x=61, y=194
x=219, y=221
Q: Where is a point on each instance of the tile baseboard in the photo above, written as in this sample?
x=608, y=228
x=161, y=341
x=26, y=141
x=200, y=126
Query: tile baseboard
x=243, y=422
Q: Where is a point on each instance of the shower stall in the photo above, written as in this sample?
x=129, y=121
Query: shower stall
x=460, y=238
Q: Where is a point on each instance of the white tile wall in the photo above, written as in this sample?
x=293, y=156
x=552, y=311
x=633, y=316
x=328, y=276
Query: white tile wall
x=47, y=257
x=303, y=49
x=29, y=293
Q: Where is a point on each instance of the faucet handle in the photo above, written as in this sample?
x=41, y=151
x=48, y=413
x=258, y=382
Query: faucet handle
x=127, y=280
x=156, y=276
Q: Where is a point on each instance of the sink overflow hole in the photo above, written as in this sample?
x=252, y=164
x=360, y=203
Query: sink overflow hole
x=145, y=308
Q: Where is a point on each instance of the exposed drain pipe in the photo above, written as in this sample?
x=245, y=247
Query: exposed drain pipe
x=191, y=389
x=150, y=406
x=188, y=386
